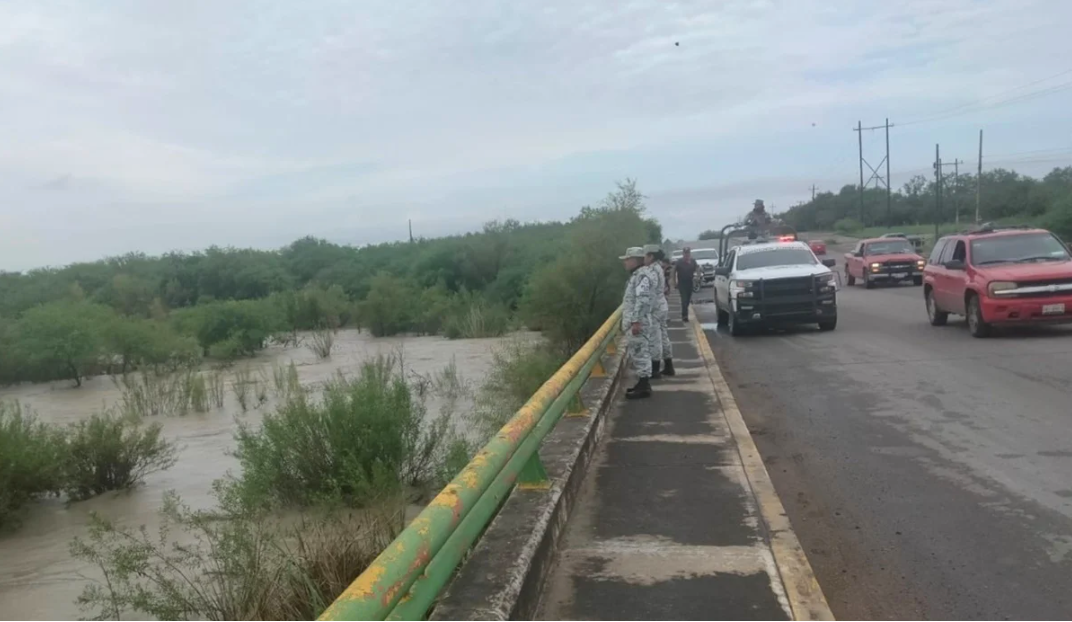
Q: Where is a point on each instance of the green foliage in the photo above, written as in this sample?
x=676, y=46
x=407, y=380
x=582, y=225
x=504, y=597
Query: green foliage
x=242, y=327
x=471, y=316
x=62, y=339
x=232, y=563
x=519, y=369
x=710, y=234
x=1004, y=196
x=152, y=393
x=112, y=452
x=31, y=459
x=366, y=437
x=391, y=305
x=570, y=297
x=848, y=225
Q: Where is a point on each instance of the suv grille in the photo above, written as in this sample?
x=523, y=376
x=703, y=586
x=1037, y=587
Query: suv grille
x=1064, y=284
x=899, y=265
x=796, y=286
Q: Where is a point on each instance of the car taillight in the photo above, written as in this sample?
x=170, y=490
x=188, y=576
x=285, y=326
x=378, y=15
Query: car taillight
x=786, y=238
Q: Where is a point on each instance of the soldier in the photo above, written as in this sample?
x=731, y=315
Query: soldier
x=659, y=339
x=636, y=319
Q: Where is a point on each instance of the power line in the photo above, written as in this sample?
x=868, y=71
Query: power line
x=981, y=104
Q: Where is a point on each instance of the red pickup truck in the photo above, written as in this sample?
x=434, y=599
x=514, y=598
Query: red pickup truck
x=883, y=260
x=999, y=276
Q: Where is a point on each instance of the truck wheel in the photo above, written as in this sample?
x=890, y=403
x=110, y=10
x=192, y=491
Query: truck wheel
x=868, y=283
x=917, y=281
x=850, y=280
x=934, y=314
x=736, y=328
x=828, y=325
x=723, y=317
x=976, y=325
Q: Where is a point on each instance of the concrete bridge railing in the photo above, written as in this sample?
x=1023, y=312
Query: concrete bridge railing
x=409, y=576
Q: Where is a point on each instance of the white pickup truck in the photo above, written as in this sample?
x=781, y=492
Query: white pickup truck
x=775, y=283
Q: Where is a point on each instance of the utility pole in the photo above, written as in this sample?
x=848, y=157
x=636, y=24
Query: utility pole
x=937, y=191
x=860, y=137
x=889, y=197
x=878, y=177
x=979, y=176
x=813, y=192
x=956, y=185
x=411, y=231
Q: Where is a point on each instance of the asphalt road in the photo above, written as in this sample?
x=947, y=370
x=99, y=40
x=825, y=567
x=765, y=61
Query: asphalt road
x=928, y=474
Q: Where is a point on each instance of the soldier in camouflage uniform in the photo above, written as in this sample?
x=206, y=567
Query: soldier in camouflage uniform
x=636, y=319
x=659, y=339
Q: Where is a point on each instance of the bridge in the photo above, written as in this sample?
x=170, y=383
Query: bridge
x=587, y=506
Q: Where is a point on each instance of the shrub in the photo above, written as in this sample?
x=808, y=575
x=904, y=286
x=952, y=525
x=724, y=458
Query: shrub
x=242, y=385
x=390, y=306
x=198, y=390
x=848, y=225
x=472, y=317
x=234, y=563
x=31, y=455
x=243, y=325
x=365, y=437
x=519, y=369
x=112, y=452
x=322, y=342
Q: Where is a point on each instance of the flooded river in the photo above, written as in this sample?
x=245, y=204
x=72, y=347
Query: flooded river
x=38, y=578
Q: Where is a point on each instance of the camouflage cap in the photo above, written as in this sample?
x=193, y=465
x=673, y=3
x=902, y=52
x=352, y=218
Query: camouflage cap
x=651, y=249
x=634, y=252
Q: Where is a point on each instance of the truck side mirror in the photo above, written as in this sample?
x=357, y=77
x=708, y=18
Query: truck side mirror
x=829, y=263
x=955, y=264
x=722, y=271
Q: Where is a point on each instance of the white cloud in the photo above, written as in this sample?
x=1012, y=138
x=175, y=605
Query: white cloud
x=248, y=116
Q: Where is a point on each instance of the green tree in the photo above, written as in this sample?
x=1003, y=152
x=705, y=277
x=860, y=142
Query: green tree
x=63, y=339
x=390, y=307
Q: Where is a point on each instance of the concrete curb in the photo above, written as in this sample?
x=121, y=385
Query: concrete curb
x=503, y=577
x=802, y=589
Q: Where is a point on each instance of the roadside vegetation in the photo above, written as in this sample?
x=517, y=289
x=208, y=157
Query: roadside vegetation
x=1006, y=197
x=325, y=480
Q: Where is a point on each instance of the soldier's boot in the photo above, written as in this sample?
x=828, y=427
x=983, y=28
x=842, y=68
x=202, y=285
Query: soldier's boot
x=640, y=391
x=655, y=369
x=668, y=367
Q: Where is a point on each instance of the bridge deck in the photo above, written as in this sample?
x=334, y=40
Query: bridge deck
x=666, y=525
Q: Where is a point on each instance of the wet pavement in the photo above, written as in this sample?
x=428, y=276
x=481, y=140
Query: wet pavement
x=666, y=526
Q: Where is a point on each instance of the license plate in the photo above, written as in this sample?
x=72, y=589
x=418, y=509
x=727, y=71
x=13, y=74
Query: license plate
x=1056, y=309
x=900, y=275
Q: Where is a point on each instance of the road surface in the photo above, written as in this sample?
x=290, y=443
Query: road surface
x=928, y=474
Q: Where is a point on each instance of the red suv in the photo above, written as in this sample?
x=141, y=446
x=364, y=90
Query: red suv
x=999, y=276
x=883, y=260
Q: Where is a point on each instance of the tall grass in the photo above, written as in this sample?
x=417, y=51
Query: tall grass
x=519, y=369
x=285, y=380
x=217, y=388
x=31, y=455
x=365, y=436
x=153, y=393
x=199, y=398
x=112, y=452
x=242, y=385
x=475, y=318
x=234, y=563
x=322, y=342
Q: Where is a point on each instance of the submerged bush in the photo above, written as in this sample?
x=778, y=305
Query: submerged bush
x=473, y=317
x=112, y=452
x=232, y=563
x=363, y=438
x=30, y=459
x=519, y=369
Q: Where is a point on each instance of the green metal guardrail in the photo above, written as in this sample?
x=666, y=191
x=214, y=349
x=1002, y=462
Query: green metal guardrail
x=407, y=577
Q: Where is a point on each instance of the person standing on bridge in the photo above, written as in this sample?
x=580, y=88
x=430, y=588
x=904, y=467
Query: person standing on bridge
x=684, y=272
x=636, y=319
x=659, y=338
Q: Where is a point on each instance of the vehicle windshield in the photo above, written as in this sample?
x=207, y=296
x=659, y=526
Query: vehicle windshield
x=776, y=257
x=705, y=253
x=892, y=247
x=1024, y=248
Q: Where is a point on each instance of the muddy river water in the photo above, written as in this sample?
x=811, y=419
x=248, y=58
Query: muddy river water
x=38, y=578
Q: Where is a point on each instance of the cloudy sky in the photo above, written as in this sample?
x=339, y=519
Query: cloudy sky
x=156, y=125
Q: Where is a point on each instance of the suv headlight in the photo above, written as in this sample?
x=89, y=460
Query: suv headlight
x=1001, y=288
x=875, y=267
x=742, y=289
x=921, y=263
x=826, y=282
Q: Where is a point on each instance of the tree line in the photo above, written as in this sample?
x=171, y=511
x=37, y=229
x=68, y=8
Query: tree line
x=135, y=311
x=1005, y=196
